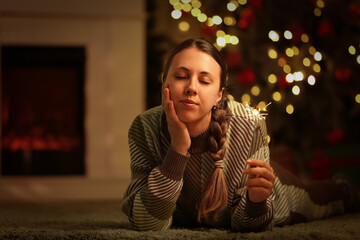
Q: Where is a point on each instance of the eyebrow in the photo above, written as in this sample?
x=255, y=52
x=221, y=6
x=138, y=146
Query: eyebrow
x=188, y=70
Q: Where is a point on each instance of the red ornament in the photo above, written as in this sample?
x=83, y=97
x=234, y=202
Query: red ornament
x=248, y=15
x=282, y=82
x=258, y=4
x=335, y=137
x=233, y=59
x=343, y=74
x=320, y=165
x=296, y=31
x=208, y=31
x=246, y=77
x=325, y=28
x=354, y=10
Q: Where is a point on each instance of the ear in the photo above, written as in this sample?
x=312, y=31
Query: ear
x=220, y=94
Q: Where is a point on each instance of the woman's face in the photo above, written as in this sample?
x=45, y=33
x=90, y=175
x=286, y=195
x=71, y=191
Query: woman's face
x=194, y=84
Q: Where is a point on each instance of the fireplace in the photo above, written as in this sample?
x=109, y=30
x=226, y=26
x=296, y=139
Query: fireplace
x=42, y=110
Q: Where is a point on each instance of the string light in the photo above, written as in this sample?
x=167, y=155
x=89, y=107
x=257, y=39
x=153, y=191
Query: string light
x=290, y=109
x=272, y=53
x=272, y=78
x=242, y=2
x=276, y=96
x=311, y=80
x=289, y=78
x=234, y=40
x=304, y=38
x=288, y=35
x=195, y=12
x=281, y=62
x=274, y=36
x=312, y=50
x=187, y=7
x=221, y=41
x=217, y=20
x=231, y=6
x=185, y=1
x=255, y=90
x=184, y=26
x=306, y=62
x=352, y=50
x=287, y=68
x=196, y=4
x=316, y=68
x=289, y=52
x=176, y=14
x=229, y=21
x=245, y=98
x=317, y=56
x=298, y=76
x=173, y=2
x=295, y=90
x=357, y=98
x=320, y=3
x=317, y=12
x=202, y=17
x=296, y=50
x=358, y=59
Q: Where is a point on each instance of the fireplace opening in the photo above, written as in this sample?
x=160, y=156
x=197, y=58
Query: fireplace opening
x=42, y=110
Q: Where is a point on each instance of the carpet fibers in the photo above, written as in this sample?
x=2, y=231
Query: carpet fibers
x=104, y=220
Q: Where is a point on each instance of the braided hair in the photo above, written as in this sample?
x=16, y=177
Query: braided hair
x=215, y=195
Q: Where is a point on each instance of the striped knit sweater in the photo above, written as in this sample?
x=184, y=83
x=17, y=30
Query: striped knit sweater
x=166, y=187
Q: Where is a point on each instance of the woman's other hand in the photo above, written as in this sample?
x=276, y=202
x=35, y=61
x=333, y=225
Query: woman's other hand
x=180, y=137
x=260, y=181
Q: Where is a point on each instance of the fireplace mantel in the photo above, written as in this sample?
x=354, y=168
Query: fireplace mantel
x=113, y=34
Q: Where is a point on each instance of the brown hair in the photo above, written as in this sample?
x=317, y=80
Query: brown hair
x=215, y=195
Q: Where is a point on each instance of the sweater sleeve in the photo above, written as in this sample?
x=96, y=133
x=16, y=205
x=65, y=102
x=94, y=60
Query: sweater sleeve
x=248, y=216
x=155, y=186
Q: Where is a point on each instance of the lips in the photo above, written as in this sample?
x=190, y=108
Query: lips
x=189, y=103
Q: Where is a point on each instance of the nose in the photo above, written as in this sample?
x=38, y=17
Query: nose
x=190, y=88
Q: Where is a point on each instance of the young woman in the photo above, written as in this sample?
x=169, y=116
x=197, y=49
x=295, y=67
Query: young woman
x=200, y=159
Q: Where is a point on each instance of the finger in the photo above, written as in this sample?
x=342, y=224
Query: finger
x=260, y=172
x=259, y=182
x=259, y=163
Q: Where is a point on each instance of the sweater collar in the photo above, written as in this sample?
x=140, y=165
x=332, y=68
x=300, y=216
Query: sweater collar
x=198, y=142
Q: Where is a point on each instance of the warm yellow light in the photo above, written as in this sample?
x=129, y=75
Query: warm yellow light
x=358, y=59
x=255, y=90
x=234, y=40
x=298, y=76
x=276, y=96
x=173, y=2
x=187, y=7
x=304, y=38
x=221, y=41
x=220, y=33
x=272, y=78
x=176, y=14
x=227, y=38
x=229, y=21
x=295, y=90
x=312, y=50
x=245, y=98
x=184, y=26
x=210, y=22
x=272, y=54
x=320, y=3
x=230, y=97
x=196, y=4
x=317, y=12
x=289, y=52
x=274, y=36
x=288, y=34
x=290, y=109
x=296, y=50
x=217, y=20
x=287, y=68
x=306, y=62
x=352, y=50
x=316, y=68
x=282, y=62
x=195, y=12
x=178, y=6
x=202, y=17
x=289, y=78
x=317, y=56
x=357, y=98
x=242, y=2
x=261, y=105
x=311, y=80
x=231, y=6
x=268, y=138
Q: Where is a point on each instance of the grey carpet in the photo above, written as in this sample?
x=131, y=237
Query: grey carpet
x=104, y=220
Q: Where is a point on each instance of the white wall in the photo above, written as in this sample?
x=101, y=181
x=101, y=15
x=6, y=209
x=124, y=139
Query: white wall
x=113, y=33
